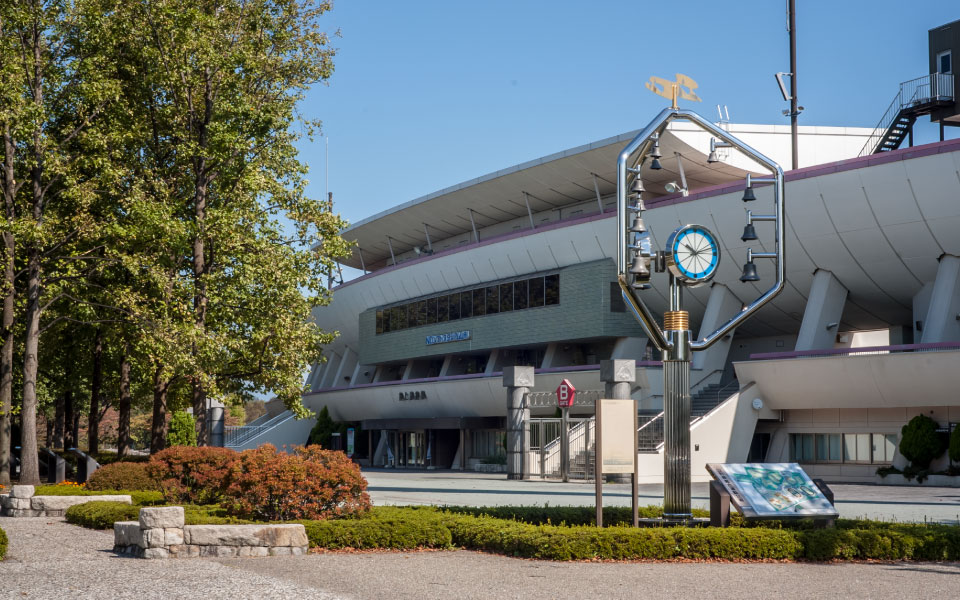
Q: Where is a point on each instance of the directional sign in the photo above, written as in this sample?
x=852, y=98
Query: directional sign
x=565, y=393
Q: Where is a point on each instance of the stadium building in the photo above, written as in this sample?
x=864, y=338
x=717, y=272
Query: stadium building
x=517, y=267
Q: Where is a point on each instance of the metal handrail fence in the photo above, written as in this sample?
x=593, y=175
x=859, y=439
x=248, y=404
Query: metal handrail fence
x=922, y=90
x=861, y=351
x=234, y=435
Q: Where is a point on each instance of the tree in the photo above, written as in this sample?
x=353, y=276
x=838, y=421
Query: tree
x=919, y=441
x=182, y=430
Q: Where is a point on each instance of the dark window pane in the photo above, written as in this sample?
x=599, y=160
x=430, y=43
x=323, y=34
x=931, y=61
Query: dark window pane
x=454, y=306
x=616, y=298
x=413, y=317
x=506, y=297
x=443, y=313
x=379, y=322
x=395, y=319
x=493, y=299
x=466, y=305
x=431, y=310
x=552, y=293
x=422, y=312
x=520, y=295
x=479, y=302
x=536, y=291
x=403, y=317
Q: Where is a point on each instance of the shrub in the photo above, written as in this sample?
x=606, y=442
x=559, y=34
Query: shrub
x=919, y=441
x=954, y=449
x=382, y=527
x=310, y=483
x=183, y=430
x=3, y=544
x=122, y=476
x=139, y=497
x=568, y=515
x=192, y=475
x=101, y=514
x=324, y=428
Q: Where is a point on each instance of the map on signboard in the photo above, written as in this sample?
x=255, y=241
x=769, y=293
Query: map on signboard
x=772, y=490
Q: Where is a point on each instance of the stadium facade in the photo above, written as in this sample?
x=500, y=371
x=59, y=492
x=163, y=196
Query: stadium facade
x=517, y=267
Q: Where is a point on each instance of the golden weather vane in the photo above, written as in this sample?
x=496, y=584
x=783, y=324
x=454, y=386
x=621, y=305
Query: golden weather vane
x=682, y=87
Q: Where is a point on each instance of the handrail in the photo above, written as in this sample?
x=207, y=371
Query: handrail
x=236, y=435
x=922, y=90
x=896, y=349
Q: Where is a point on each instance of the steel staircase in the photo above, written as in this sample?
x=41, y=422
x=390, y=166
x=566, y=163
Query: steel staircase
x=916, y=97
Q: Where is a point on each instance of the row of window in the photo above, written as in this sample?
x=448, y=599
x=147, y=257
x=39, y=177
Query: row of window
x=505, y=297
x=860, y=448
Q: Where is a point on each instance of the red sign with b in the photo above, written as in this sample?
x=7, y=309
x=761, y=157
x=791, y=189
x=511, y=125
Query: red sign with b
x=565, y=394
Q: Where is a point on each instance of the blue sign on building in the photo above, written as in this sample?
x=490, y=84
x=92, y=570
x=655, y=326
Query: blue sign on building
x=443, y=338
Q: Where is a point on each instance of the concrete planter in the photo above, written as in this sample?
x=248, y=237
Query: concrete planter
x=931, y=481
x=21, y=502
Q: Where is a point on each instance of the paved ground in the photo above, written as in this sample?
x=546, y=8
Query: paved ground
x=888, y=503
x=51, y=559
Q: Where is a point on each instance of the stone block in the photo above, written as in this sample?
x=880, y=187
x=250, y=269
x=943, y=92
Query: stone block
x=184, y=551
x=252, y=551
x=12, y=512
x=518, y=376
x=245, y=535
x=298, y=550
x=153, y=538
x=226, y=551
x=281, y=551
x=206, y=551
x=18, y=503
x=127, y=533
x=22, y=491
x=50, y=503
x=156, y=553
x=161, y=516
x=173, y=536
x=618, y=370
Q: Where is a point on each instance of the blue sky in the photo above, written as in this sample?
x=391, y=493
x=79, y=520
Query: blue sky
x=429, y=94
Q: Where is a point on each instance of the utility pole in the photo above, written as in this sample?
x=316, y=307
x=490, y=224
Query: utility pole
x=792, y=19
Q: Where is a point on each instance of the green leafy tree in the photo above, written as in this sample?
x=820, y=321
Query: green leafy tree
x=182, y=430
x=919, y=441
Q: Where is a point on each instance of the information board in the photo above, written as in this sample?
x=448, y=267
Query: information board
x=772, y=490
x=618, y=435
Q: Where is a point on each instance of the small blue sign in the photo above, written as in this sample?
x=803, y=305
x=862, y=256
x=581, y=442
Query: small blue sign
x=443, y=338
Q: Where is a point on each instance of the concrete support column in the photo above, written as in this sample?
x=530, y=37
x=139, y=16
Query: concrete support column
x=518, y=381
x=333, y=365
x=348, y=364
x=215, y=419
x=617, y=375
x=824, y=308
x=941, y=324
x=721, y=305
x=629, y=347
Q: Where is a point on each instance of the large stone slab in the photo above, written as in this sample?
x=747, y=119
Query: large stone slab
x=22, y=491
x=127, y=533
x=61, y=503
x=245, y=535
x=161, y=517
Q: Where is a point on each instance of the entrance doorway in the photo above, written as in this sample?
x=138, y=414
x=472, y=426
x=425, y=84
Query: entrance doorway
x=413, y=449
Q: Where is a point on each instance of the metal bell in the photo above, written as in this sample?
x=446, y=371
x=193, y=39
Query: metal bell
x=655, y=152
x=655, y=165
x=640, y=267
x=748, y=195
x=749, y=233
x=637, y=186
x=638, y=225
x=749, y=272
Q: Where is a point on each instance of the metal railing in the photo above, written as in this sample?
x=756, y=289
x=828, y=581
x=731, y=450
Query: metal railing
x=545, y=448
x=862, y=351
x=717, y=396
x=922, y=90
x=234, y=435
x=650, y=433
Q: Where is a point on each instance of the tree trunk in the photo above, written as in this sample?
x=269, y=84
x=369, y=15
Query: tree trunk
x=93, y=417
x=123, y=427
x=69, y=441
x=29, y=464
x=9, y=289
x=58, y=423
x=158, y=427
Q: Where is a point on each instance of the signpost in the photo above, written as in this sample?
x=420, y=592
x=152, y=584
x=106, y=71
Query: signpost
x=351, y=433
x=565, y=396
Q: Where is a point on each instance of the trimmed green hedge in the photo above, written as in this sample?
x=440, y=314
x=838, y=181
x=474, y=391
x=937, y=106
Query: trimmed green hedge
x=3, y=544
x=141, y=497
x=416, y=527
x=566, y=515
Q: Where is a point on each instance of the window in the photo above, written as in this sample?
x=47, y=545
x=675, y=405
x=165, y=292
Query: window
x=945, y=62
x=616, y=298
x=454, y=306
x=536, y=291
x=520, y=294
x=493, y=299
x=506, y=297
x=551, y=294
x=443, y=313
x=479, y=302
x=487, y=300
x=852, y=448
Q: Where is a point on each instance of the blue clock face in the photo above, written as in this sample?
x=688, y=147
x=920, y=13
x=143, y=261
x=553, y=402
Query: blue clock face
x=693, y=254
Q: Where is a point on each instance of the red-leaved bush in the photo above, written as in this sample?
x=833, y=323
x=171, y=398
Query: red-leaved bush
x=122, y=476
x=192, y=475
x=309, y=483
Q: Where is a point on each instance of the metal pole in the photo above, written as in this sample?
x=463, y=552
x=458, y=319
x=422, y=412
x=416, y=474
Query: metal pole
x=476, y=236
x=793, y=81
x=526, y=201
x=598, y=467
x=564, y=444
x=427, y=233
x=596, y=189
x=676, y=409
